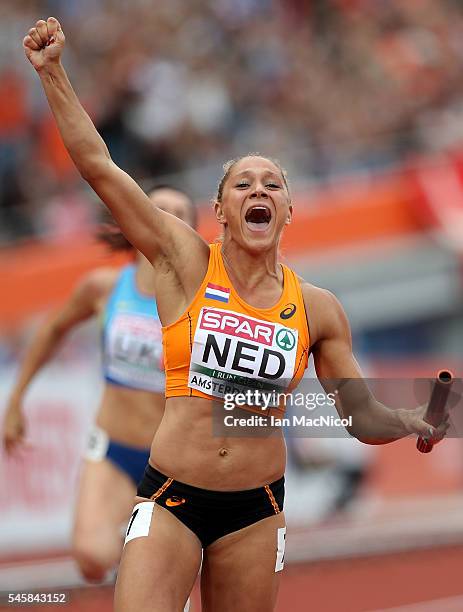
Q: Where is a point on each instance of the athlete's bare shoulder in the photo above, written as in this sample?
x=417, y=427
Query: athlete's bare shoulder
x=325, y=314
x=318, y=296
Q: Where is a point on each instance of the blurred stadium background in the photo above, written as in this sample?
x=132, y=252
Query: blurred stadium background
x=362, y=101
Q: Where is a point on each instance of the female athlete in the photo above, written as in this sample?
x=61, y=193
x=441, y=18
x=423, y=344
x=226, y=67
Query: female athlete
x=132, y=403
x=231, y=314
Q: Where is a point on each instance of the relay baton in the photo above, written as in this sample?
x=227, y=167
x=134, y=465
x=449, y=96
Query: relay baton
x=436, y=407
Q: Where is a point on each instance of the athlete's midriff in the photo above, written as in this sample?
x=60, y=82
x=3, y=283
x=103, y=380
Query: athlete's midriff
x=186, y=449
x=130, y=416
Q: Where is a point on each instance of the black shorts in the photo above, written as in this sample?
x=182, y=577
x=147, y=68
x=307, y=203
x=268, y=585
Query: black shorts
x=212, y=514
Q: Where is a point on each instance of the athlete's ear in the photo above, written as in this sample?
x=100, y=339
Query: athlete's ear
x=219, y=215
x=290, y=215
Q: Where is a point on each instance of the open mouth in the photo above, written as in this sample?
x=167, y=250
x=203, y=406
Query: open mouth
x=258, y=218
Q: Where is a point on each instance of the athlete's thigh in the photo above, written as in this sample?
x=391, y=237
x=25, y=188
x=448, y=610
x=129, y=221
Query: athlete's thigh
x=242, y=570
x=105, y=499
x=159, y=564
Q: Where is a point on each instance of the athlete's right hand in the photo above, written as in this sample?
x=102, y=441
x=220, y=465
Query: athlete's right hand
x=14, y=427
x=44, y=43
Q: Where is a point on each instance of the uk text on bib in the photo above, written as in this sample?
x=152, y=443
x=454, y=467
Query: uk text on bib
x=135, y=350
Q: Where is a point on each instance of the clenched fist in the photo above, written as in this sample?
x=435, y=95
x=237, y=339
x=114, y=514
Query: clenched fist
x=44, y=43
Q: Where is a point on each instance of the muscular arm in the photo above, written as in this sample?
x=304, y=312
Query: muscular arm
x=82, y=305
x=152, y=231
x=338, y=371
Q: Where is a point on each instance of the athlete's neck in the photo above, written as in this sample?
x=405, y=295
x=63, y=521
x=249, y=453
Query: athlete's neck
x=144, y=274
x=251, y=270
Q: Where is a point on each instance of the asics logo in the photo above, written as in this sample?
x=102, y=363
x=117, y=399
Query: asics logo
x=175, y=501
x=289, y=311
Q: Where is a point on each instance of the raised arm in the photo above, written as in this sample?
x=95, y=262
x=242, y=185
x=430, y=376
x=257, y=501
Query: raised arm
x=339, y=373
x=82, y=305
x=153, y=232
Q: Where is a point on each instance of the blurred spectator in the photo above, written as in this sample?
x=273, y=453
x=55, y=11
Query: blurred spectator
x=329, y=86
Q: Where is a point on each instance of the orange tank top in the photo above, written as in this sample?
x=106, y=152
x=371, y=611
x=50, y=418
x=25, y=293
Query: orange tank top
x=222, y=345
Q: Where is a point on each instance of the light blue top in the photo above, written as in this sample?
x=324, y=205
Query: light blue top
x=132, y=337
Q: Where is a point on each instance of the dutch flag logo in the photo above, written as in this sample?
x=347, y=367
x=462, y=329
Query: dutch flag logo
x=216, y=292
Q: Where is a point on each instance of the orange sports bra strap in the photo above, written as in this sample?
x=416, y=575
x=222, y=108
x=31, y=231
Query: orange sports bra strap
x=293, y=286
x=216, y=260
x=215, y=264
x=215, y=270
x=295, y=282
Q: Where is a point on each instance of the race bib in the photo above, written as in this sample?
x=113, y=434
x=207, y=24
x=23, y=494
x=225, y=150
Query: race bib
x=234, y=353
x=97, y=444
x=140, y=521
x=134, y=351
x=281, y=543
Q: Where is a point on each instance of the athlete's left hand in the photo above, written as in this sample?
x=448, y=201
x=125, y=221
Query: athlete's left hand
x=413, y=423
